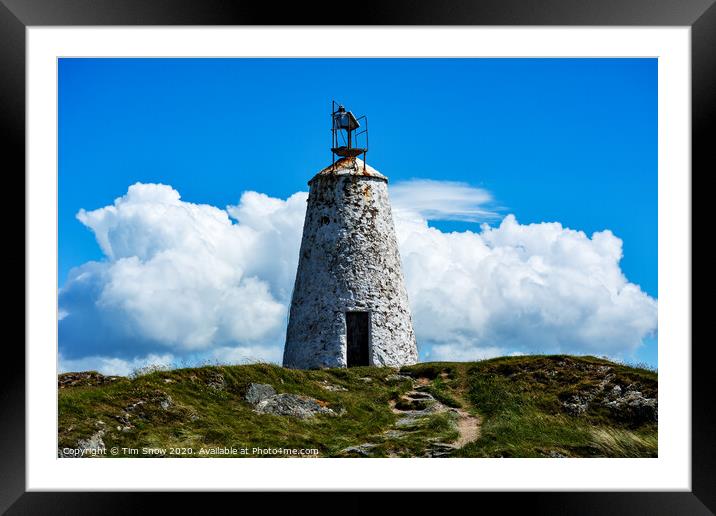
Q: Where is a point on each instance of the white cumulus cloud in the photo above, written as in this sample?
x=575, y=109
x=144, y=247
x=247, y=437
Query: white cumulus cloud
x=182, y=277
x=521, y=288
x=190, y=280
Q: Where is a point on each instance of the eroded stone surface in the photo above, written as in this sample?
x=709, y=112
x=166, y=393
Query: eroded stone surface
x=258, y=392
x=265, y=401
x=348, y=261
x=325, y=384
x=360, y=449
x=293, y=405
x=84, y=379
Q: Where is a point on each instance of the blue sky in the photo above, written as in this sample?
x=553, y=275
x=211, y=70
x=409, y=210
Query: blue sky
x=567, y=140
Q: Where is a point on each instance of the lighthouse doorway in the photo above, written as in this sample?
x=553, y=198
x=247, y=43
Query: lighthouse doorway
x=358, y=338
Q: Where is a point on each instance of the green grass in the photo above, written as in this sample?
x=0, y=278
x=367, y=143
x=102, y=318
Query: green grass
x=202, y=416
x=518, y=399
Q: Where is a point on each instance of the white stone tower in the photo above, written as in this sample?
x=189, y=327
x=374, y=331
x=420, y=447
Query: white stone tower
x=349, y=304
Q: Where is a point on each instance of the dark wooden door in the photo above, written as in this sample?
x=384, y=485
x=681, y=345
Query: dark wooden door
x=358, y=337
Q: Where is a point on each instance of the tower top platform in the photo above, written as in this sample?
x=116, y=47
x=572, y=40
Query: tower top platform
x=350, y=166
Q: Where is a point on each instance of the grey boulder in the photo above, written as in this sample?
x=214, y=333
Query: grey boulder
x=258, y=392
x=293, y=405
x=265, y=401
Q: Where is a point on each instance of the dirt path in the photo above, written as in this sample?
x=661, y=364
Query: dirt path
x=468, y=427
x=416, y=404
x=413, y=408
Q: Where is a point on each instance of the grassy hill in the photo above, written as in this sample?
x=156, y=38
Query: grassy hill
x=532, y=406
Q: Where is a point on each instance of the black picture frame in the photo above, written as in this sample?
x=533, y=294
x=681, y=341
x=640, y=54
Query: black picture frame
x=17, y=15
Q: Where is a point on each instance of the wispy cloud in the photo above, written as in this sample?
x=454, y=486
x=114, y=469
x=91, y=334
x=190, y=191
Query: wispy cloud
x=442, y=200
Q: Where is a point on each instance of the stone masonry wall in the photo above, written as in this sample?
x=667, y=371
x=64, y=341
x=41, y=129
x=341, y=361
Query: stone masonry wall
x=348, y=261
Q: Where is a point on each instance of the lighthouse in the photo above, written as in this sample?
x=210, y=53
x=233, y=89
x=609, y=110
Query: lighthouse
x=349, y=305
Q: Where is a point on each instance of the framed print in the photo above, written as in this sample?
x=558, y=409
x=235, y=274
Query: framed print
x=432, y=250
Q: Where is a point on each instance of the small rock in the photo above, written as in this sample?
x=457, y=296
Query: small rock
x=408, y=422
x=419, y=405
x=576, y=405
x=553, y=454
x=437, y=454
x=397, y=378
x=93, y=444
x=443, y=446
x=132, y=406
x=366, y=379
x=89, y=447
x=420, y=395
x=437, y=449
x=216, y=382
x=331, y=387
x=163, y=399
x=258, y=392
x=360, y=449
x=123, y=420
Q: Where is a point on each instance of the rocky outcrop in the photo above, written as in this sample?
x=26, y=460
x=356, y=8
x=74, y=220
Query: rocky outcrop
x=216, y=381
x=258, y=392
x=90, y=447
x=626, y=404
x=93, y=443
x=631, y=405
x=84, y=379
x=302, y=407
x=265, y=401
x=144, y=409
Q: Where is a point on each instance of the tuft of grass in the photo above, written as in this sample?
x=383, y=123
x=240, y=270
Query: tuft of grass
x=444, y=393
x=430, y=370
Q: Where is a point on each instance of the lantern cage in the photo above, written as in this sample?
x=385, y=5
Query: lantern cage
x=346, y=138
